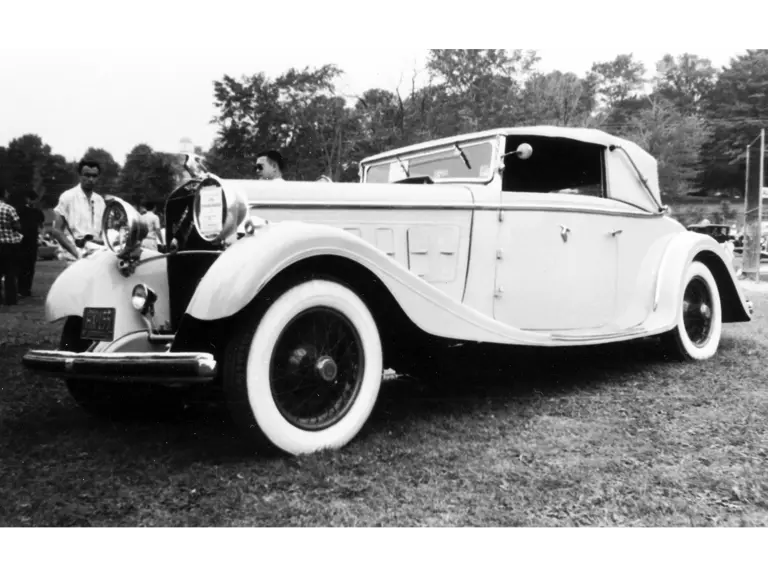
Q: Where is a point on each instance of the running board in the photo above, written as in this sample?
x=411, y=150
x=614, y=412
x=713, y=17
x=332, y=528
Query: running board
x=564, y=337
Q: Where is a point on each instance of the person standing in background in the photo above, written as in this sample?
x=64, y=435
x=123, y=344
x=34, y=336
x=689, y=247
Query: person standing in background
x=10, y=240
x=154, y=229
x=32, y=221
x=79, y=212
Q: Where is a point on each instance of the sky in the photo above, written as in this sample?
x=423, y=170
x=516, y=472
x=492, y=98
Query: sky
x=116, y=98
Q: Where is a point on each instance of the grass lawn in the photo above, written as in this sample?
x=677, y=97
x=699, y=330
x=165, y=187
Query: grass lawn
x=609, y=436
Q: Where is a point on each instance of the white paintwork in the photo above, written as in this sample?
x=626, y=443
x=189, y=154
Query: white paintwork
x=95, y=282
x=445, y=251
x=432, y=243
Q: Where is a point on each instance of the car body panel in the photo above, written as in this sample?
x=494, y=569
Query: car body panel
x=465, y=261
x=426, y=229
x=96, y=282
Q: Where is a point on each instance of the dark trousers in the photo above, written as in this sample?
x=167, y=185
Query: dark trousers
x=26, y=268
x=9, y=256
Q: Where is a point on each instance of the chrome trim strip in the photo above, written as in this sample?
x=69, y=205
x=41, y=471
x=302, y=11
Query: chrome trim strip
x=431, y=147
x=125, y=366
x=595, y=336
x=336, y=205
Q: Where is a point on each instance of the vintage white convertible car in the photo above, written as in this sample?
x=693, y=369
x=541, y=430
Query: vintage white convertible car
x=293, y=297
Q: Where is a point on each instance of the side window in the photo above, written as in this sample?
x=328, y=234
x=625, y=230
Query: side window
x=557, y=166
x=443, y=164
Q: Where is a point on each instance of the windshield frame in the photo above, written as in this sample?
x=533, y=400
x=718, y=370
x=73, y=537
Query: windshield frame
x=446, y=150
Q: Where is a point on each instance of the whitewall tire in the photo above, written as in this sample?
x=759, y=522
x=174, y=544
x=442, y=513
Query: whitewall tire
x=699, y=320
x=306, y=375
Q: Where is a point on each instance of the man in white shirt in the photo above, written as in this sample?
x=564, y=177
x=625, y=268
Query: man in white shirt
x=269, y=165
x=78, y=215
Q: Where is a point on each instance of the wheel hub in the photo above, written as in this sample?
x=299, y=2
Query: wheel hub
x=697, y=312
x=326, y=368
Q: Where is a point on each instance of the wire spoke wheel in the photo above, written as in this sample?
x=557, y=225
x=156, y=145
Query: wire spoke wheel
x=699, y=327
x=697, y=311
x=316, y=369
x=302, y=374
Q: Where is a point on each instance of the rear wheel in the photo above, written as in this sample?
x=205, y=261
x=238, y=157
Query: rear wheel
x=305, y=373
x=700, y=322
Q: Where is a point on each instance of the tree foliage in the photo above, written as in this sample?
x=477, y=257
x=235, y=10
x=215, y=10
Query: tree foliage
x=146, y=176
x=694, y=119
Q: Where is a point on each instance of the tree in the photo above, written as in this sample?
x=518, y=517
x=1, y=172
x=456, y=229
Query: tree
x=249, y=119
x=686, y=81
x=298, y=113
x=674, y=139
x=557, y=98
x=476, y=89
x=381, y=121
x=463, y=71
x=25, y=157
x=736, y=109
x=618, y=80
x=146, y=176
x=57, y=176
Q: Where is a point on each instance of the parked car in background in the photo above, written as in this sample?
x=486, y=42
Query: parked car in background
x=291, y=298
x=720, y=232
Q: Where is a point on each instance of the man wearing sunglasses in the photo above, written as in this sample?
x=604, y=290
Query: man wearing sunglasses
x=269, y=165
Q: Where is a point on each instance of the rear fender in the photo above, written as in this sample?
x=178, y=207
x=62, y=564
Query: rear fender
x=680, y=253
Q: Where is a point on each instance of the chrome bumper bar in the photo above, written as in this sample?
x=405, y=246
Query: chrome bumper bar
x=158, y=367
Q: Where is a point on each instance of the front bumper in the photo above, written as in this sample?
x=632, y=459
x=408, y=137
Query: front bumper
x=160, y=367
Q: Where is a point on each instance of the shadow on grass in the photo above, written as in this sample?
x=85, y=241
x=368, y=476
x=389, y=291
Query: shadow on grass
x=203, y=433
x=497, y=376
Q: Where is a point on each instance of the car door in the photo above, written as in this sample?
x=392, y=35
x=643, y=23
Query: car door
x=557, y=265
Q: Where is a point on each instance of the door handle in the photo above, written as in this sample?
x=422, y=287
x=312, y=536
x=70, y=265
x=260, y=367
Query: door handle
x=616, y=232
x=564, y=231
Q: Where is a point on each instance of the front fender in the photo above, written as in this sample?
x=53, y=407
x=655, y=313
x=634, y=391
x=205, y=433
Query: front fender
x=245, y=268
x=96, y=282
x=681, y=251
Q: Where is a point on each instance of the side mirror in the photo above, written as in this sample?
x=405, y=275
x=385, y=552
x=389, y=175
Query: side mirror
x=524, y=151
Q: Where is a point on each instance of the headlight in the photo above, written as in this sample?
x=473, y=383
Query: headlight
x=122, y=227
x=218, y=211
x=143, y=298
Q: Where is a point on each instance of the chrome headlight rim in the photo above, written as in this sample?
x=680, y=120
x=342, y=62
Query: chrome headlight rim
x=135, y=228
x=143, y=298
x=226, y=210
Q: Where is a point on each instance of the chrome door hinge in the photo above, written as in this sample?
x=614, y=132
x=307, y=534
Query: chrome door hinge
x=499, y=254
x=499, y=292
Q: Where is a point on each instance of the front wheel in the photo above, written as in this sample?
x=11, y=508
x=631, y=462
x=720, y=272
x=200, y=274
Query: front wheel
x=700, y=321
x=304, y=375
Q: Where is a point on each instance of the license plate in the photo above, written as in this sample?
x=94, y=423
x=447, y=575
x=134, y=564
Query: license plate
x=98, y=324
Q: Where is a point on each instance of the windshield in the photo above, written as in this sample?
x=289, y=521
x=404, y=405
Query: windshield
x=467, y=161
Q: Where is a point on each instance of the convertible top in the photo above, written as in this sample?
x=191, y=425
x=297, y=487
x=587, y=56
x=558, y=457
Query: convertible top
x=645, y=162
